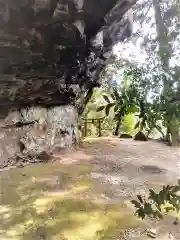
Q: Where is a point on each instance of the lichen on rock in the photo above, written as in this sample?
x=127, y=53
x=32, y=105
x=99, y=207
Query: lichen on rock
x=50, y=129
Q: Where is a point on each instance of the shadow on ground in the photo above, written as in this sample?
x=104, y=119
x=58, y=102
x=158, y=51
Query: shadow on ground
x=53, y=201
x=84, y=195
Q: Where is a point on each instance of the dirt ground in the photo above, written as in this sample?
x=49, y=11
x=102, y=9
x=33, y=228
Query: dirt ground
x=86, y=194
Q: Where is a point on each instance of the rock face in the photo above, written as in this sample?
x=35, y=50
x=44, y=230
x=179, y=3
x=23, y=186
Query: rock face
x=54, y=127
x=35, y=130
x=52, y=51
x=51, y=54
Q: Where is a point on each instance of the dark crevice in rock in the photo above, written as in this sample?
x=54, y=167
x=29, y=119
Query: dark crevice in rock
x=19, y=124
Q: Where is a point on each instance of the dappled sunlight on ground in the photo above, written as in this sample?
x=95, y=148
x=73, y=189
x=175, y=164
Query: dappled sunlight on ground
x=85, y=194
x=53, y=201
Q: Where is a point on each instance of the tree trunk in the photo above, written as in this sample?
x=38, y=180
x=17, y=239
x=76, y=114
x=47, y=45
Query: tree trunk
x=174, y=132
x=116, y=132
x=168, y=133
x=172, y=135
x=99, y=128
x=141, y=127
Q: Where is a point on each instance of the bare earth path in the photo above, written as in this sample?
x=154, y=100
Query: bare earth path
x=85, y=195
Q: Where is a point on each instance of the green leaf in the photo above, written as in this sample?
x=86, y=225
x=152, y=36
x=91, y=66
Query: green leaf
x=148, y=209
x=173, y=201
x=106, y=98
x=162, y=196
x=140, y=198
x=141, y=213
x=99, y=109
x=132, y=109
x=136, y=203
x=108, y=107
x=152, y=194
x=176, y=189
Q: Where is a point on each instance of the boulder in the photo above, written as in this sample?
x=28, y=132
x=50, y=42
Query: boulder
x=52, y=52
x=41, y=132
x=51, y=56
x=140, y=136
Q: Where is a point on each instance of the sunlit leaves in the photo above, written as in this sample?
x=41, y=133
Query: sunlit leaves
x=157, y=203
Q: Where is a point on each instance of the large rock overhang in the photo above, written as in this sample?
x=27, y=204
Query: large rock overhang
x=52, y=51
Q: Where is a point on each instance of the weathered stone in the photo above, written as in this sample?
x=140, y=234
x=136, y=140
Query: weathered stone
x=54, y=128
x=51, y=55
x=140, y=136
x=47, y=47
x=9, y=145
x=152, y=233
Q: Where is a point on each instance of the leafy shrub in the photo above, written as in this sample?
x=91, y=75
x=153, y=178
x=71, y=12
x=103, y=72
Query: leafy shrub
x=158, y=203
x=128, y=124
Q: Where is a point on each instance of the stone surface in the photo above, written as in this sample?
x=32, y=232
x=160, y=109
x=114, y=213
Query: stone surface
x=52, y=51
x=49, y=129
x=140, y=136
x=53, y=128
x=152, y=233
x=51, y=54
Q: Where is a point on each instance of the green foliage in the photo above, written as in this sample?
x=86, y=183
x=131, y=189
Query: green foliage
x=150, y=117
x=163, y=57
x=158, y=203
x=128, y=124
x=131, y=96
x=123, y=102
x=92, y=111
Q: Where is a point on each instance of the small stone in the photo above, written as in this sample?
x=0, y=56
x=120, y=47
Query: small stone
x=44, y=157
x=23, y=174
x=176, y=222
x=33, y=179
x=140, y=136
x=170, y=236
x=152, y=233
